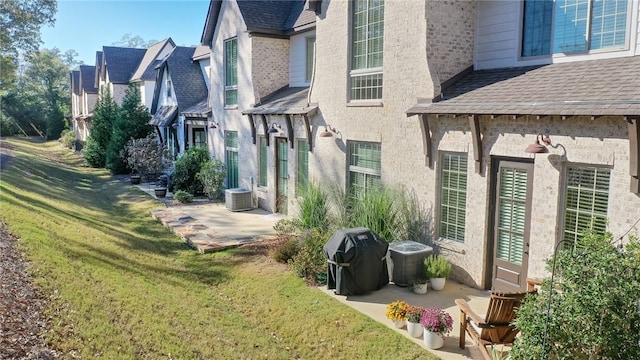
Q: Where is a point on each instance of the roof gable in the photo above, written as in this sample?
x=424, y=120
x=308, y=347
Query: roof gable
x=121, y=62
x=75, y=82
x=187, y=81
x=146, y=69
x=98, y=70
x=87, y=77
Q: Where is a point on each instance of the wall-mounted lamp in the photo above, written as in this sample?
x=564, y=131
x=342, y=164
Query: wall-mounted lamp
x=213, y=125
x=537, y=148
x=328, y=131
x=275, y=128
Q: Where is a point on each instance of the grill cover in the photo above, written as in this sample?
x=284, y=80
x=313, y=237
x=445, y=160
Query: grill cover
x=356, y=261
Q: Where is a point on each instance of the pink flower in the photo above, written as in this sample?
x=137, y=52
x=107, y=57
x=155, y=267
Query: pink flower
x=437, y=320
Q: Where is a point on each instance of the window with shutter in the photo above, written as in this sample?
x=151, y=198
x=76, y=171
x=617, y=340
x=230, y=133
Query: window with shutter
x=231, y=158
x=453, y=196
x=302, y=172
x=364, y=166
x=512, y=205
x=262, y=159
x=586, y=201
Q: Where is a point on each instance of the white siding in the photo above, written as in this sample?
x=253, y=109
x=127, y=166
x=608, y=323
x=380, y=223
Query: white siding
x=146, y=93
x=637, y=12
x=298, y=59
x=163, y=99
x=205, y=66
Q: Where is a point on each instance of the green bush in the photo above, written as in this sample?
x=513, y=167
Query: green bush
x=310, y=263
x=67, y=138
x=287, y=227
x=186, y=168
x=437, y=266
x=211, y=175
x=183, y=196
x=377, y=210
x=93, y=154
x=285, y=249
x=314, y=208
x=591, y=308
x=104, y=116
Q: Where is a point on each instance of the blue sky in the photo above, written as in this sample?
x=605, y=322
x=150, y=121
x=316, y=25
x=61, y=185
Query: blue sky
x=86, y=25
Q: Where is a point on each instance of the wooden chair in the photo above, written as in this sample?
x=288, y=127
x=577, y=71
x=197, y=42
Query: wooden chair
x=495, y=327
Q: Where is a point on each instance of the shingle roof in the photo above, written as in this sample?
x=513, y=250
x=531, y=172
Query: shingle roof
x=164, y=116
x=186, y=77
x=75, y=82
x=121, y=62
x=594, y=87
x=87, y=78
x=147, y=68
x=199, y=110
x=202, y=52
x=280, y=17
x=288, y=100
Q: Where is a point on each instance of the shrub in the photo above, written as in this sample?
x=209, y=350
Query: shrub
x=285, y=250
x=437, y=266
x=211, y=175
x=287, y=227
x=376, y=211
x=310, y=263
x=183, y=196
x=145, y=156
x=186, y=168
x=591, y=308
x=314, y=208
x=104, y=116
x=67, y=138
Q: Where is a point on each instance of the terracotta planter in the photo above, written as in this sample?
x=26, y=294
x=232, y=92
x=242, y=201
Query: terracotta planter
x=161, y=192
x=135, y=179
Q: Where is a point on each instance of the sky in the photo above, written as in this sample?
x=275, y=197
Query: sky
x=87, y=25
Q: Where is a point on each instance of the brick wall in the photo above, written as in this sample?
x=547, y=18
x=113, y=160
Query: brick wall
x=269, y=65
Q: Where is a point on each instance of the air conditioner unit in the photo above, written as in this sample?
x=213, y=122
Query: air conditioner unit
x=238, y=199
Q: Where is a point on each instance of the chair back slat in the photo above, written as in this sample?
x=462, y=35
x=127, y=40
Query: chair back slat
x=501, y=312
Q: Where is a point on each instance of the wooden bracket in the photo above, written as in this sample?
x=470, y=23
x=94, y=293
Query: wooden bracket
x=307, y=128
x=266, y=127
x=426, y=139
x=474, y=124
x=289, y=129
x=634, y=153
x=253, y=128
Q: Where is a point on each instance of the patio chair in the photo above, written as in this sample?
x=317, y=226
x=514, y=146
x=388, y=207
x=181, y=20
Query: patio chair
x=495, y=327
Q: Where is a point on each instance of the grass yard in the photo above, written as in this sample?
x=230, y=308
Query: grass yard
x=124, y=287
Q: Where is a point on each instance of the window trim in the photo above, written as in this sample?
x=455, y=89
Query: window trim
x=364, y=71
x=308, y=70
x=360, y=169
x=439, y=190
x=262, y=139
x=233, y=87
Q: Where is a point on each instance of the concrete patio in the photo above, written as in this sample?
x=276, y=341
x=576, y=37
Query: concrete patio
x=210, y=227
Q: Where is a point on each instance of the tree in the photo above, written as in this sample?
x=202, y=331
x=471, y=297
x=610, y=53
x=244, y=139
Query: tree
x=20, y=23
x=132, y=123
x=591, y=309
x=133, y=41
x=104, y=117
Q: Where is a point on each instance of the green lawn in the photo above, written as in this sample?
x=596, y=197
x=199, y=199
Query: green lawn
x=122, y=286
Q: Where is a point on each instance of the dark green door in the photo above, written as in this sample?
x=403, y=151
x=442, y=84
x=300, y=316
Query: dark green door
x=231, y=158
x=282, y=175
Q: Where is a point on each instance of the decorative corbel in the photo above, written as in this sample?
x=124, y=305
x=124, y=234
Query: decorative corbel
x=634, y=153
x=476, y=137
x=253, y=128
x=426, y=139
x=265, y=127
x=307, y=128
x=289, y=129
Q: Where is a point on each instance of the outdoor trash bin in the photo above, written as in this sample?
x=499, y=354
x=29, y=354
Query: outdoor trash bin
x=356, y=261
x=407, y=258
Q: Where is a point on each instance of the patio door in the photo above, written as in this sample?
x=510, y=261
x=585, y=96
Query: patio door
x=513, y=182
x=282, y=175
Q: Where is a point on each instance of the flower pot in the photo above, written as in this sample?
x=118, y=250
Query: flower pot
x=414, y=329
x=433, y=340
x=135, y=179
x=438, y=283
x=399, y=323
x=420, y=288
x=160, y=192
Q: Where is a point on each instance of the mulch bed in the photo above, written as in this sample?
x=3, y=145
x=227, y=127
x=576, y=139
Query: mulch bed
x=22, y=321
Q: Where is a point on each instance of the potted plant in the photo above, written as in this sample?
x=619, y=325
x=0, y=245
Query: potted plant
x=436, y=323
x=438, y=269
x=419, y=285
x=397, y=312
x=414, y=315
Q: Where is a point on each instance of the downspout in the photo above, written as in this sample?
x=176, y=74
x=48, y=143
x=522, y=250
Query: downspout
x=313, y=74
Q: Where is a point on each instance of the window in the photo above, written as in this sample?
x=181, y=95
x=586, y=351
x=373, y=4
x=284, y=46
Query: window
x=367, y=33
x=364, y=166
x=231, y=72
x=302, y=173
x=199, y=137
x=168, y=88
x=262, y=161
x=453, y=196
x=586, y=202
x=578, y=26
x=309, y=58
x=231, y=158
